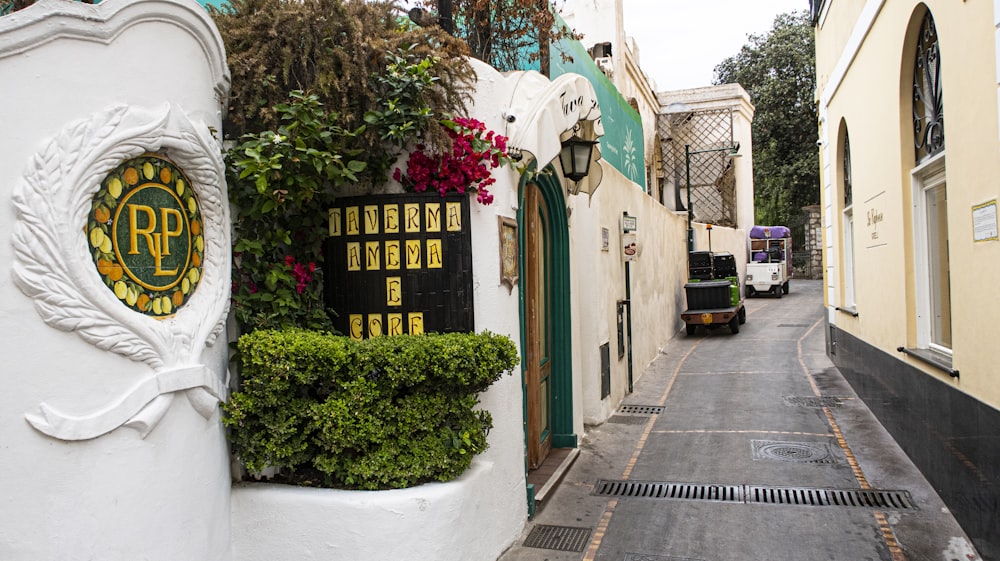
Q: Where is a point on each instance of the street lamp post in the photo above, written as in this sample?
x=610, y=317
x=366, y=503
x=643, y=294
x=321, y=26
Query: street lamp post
x=733, y=153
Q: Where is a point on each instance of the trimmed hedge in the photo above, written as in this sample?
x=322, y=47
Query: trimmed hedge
x=383, y=413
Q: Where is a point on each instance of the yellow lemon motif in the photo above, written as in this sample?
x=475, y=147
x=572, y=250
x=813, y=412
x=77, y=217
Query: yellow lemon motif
x=121, y=290
x=106, y=245
x=193, y=275
x=131, y=296
x=148, y=171
x=166, y=306
x=157, y=306
x=97, y=237
x=115, y=187
x=199, y=242
x=192, y=205
x=180, y=186
x=186, y=285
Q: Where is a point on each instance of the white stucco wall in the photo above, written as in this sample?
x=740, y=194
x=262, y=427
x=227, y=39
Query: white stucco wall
x=117, y=496
x=478, y=515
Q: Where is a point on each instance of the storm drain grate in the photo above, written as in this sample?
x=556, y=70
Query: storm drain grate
x=812, y=401
x=629, y=419
x=867, y=498
x=800, y=452
x=757, y=494
x=664, y=490
x=641, y=409
x=560, y=538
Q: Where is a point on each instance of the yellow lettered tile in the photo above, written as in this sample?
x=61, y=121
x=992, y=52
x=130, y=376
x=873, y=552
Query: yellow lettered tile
x=353, y=221
x=413, y=254
x=392, y=255
x=391, y=214
x=393, y=291
x=395, y=324
x=454, y=211
x=335, y=218
x=432, y=217
x=434, y=256
x=416, y=323
x=354, y=256
x=374, y=325
x=373, y=256
x=411, y=217
x=371, y=219
x=357, y=323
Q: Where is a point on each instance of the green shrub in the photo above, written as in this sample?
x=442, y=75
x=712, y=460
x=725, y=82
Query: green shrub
x=383, y=413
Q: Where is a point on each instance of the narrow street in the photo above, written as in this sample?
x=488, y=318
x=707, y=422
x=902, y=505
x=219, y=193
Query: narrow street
x=761, y=451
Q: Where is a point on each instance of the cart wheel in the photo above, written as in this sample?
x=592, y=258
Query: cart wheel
x=750, y=291
x=691, y=328
x=785, y=288
x=742, y=315
x=734, y=324
x=776, y=290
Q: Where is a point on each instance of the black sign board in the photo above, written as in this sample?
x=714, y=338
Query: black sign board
x=400, y=264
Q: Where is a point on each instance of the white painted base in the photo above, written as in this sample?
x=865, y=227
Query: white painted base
x=467, y=519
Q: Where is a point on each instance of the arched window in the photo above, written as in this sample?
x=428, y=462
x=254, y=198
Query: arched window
x=930, y=195
x=847, y=250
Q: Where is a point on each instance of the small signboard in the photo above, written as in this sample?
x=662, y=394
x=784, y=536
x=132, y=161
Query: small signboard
x=984, y=221
x=630, y=247
x=629, y=223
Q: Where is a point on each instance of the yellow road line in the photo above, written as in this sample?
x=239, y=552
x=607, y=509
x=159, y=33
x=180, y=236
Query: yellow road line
x=888, y=536
x=609, y=510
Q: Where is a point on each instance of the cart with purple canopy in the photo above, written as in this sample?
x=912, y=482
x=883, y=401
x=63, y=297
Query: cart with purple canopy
x=770, y=266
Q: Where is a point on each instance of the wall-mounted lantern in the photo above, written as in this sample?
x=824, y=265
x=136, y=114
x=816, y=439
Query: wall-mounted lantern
x=575, y=157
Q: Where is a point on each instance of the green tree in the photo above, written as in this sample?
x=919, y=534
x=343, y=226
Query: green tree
x=778, y=71
x=506, y=34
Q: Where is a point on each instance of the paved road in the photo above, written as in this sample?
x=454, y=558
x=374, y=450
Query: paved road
x=749, y=416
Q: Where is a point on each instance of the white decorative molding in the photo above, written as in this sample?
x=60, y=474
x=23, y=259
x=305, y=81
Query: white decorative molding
x=51, y=20
x=52, y=264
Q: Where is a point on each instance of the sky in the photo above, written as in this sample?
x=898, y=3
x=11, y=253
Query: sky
x=681, y=41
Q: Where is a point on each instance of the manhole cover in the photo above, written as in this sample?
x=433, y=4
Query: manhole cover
x=812, y=401
x=641, y=409
x=560, y=538
x=800, y=452
x=629, y=419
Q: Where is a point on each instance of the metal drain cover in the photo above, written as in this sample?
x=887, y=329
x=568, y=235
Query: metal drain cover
x=629, y=419
x=812, y=401
x=756, y=494
x=559, y=538
x=641, y=409
x=868, y=498
x=800, y=452
x=664, y=490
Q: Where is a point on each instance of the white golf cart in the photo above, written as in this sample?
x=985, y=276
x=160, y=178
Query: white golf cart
x=770, y=266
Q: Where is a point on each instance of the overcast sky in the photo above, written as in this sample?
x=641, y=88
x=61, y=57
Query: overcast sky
x=681, y=41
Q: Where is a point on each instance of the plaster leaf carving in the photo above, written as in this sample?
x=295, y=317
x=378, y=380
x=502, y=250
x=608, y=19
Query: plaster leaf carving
x=53, y=266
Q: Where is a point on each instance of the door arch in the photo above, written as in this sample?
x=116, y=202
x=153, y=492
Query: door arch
x=546, y=326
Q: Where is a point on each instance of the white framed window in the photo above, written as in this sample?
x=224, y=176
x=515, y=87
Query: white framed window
x=848, y=226
x=932, y=276
x=932, y=279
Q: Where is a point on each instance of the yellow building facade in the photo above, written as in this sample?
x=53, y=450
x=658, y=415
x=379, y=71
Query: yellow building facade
x=908, y=101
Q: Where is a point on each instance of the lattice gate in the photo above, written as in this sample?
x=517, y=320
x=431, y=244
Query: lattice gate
x=713, y=182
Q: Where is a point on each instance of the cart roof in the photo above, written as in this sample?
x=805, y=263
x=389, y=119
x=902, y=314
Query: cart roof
x=769, y=232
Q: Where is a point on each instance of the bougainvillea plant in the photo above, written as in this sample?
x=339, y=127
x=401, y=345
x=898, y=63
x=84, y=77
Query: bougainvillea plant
x=475, y=151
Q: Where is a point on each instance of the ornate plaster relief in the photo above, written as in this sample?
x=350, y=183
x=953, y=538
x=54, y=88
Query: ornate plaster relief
x=53, y=265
